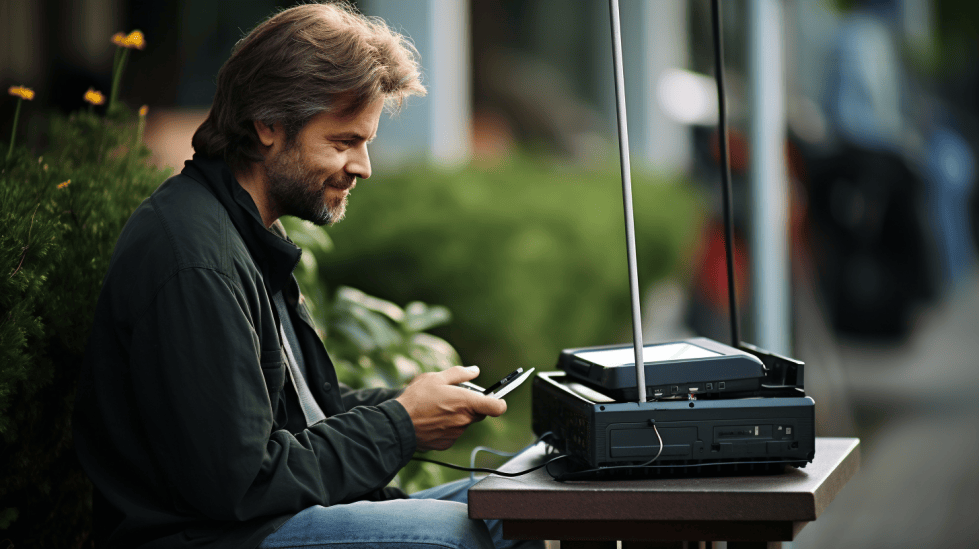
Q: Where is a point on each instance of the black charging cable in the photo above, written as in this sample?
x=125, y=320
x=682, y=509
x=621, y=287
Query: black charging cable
x=495, y=471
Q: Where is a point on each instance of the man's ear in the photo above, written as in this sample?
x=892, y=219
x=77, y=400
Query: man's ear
x=266, y=133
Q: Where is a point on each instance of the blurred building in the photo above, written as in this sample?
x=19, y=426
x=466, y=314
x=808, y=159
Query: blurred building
x=501, y=74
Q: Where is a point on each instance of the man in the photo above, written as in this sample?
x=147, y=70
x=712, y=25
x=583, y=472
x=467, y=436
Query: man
x=208, y=413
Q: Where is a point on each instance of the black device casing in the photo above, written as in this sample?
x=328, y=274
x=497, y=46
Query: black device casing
x=733, y=371
x=773, y=429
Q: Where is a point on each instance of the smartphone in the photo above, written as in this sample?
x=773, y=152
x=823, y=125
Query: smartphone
x=502, y=387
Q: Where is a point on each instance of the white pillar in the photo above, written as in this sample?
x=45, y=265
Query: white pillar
x=768, y=218
x=435, y=127
x=654, y=38
x=664, y=144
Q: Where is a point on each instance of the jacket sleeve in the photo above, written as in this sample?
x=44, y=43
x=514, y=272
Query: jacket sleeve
x=198, y=375
x=366, y=397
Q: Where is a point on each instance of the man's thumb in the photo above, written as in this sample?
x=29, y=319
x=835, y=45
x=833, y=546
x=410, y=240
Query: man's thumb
x=458, y=374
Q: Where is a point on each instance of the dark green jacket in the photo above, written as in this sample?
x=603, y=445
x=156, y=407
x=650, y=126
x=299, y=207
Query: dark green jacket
x=185, y=420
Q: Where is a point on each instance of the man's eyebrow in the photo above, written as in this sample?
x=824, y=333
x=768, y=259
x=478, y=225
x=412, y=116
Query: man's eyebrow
x=351, y=135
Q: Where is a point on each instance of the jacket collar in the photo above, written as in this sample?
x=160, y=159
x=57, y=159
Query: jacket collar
x=276, y=255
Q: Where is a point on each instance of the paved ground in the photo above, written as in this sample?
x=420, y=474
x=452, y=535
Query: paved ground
x=915, y=407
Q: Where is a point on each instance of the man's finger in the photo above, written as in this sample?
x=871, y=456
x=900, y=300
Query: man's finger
x=458, y=374
x=489, y=406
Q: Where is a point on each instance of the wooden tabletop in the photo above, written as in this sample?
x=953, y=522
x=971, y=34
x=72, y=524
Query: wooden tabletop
x=743, y=508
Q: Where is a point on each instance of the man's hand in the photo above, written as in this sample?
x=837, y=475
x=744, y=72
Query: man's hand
x=441, y=411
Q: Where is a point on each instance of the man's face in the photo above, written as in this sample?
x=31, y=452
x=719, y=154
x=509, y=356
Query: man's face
x=311, y=177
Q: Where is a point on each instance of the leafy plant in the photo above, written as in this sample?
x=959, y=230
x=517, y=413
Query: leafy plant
x=60, y=215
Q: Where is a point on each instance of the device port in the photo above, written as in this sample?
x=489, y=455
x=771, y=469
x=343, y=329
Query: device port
x=720, y=385
x=710, y=386
x=674, y=389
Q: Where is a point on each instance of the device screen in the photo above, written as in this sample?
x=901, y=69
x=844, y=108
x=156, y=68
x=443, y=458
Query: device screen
x=502, y=387
x=507, y=379
x=650, y=353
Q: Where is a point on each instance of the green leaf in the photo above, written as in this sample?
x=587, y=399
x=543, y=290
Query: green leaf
x=307, y=236
x=420, y=317
x=352, y=295
x=434, y=353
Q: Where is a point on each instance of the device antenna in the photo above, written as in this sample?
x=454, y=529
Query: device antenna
x=630, y=229
x=728, y=205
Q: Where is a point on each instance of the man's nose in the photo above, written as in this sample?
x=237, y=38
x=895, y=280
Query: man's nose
x=360, y=162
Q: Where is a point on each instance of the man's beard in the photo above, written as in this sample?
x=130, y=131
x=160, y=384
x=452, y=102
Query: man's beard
x=293, y=189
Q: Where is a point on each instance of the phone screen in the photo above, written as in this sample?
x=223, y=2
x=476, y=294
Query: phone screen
x=507, y=379
x=502, y=387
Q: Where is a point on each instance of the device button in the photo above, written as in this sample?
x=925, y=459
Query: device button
x=327, y=386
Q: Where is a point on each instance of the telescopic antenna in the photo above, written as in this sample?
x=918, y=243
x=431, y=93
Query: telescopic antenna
x=727, y=205
x=630, y=229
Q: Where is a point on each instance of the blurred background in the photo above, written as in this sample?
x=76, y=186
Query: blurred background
x=853, y=137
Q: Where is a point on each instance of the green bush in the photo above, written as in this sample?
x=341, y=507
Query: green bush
x=529, y=257
x=60, y=215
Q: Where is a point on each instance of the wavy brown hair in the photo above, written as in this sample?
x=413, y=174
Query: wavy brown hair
x=299, y=62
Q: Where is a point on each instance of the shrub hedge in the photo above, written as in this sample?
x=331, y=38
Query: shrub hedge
x=60, y=215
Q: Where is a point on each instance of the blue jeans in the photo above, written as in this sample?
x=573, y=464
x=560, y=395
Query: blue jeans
x=437, y=517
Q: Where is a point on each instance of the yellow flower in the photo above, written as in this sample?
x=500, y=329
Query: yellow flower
x=21, y=92
x=94, y=97
x=134, y=39
x=65, y=184
x=144, y=110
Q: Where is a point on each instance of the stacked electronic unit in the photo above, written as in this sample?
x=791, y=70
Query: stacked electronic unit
x=725, y=410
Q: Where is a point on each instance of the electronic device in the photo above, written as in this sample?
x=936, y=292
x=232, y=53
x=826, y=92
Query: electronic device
x=697, y=366
x=502, y=387
x=688, y=436
x=588, y=412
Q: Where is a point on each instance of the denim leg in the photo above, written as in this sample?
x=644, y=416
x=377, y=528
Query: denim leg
x=458, y=491
x=396, y=524
x=433, y=518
